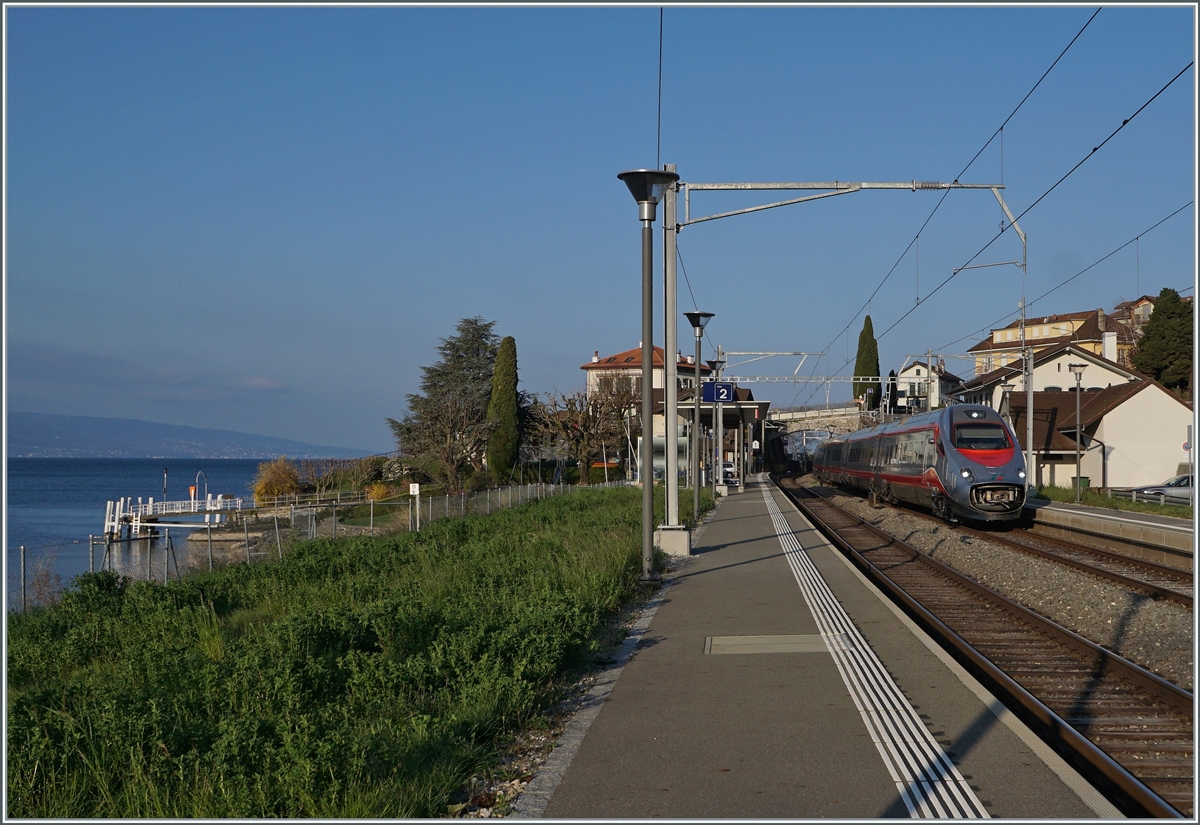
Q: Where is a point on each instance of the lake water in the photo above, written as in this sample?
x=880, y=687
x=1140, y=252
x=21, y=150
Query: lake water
x=54, y=504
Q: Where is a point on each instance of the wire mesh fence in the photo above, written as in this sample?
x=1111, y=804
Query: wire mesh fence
x=39, y=575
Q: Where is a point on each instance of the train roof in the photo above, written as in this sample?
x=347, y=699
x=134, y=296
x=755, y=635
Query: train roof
x=959, y=413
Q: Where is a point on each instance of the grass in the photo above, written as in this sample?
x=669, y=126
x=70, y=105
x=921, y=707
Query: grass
x=357, y=677
x=1094, y=498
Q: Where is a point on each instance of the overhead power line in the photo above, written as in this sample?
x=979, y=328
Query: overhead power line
x=958, y=177
x=988, y=142
x=1084, y=160
x=998, y=321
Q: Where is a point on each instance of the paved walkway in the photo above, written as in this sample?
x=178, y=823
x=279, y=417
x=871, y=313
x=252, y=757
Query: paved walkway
x=773, y=681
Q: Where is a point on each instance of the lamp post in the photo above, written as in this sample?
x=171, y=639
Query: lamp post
x=647, y=187
x=697, y=320
x=1078, y=370
x=715, y=365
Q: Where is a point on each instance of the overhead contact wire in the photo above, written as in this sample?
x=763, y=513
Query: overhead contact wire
x=1073, y=277
x=957, y=177
x=1041, y=197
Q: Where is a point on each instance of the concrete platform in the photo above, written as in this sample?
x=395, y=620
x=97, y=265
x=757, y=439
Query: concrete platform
x=774, y=681
x=1159, y=539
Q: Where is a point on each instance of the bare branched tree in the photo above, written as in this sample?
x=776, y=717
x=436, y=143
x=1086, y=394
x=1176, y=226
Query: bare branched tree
x=584, y=427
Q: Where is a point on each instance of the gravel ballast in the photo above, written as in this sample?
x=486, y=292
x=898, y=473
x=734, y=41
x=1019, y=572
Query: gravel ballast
x=1153, y=633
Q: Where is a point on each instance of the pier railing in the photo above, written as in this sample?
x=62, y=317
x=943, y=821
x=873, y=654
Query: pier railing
x=38, y=575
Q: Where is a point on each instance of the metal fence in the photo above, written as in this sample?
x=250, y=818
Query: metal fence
x=1151, y=498
x=38, y=575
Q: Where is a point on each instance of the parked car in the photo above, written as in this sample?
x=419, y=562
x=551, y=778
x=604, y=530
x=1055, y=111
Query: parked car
x=730, y=473
x=1178, y=488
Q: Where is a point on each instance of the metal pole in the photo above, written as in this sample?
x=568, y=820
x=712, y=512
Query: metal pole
x=166, y=549
x=695, y=438
x=1078, y=436
x=719, y=432
x=1030, y=480
x=246, y=536
x=278, y=544
x=670, y=358
x=647, y=451
x=24, y=602
x=91, y=558
x=210, y=559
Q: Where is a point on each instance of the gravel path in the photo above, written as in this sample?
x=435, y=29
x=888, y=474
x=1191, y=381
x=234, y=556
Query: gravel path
x=1156, y=634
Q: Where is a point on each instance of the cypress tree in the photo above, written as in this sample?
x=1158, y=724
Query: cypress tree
x=505, y=438
x=867, y=364
x=1165, y=349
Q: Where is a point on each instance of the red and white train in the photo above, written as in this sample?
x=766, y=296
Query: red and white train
x=962, y=461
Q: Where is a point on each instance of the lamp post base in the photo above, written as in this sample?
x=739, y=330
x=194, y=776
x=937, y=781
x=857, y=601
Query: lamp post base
x=673, y=540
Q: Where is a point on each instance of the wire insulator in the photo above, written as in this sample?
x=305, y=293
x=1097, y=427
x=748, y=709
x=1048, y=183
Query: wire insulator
x=929, y=184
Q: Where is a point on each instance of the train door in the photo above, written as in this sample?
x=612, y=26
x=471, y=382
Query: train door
x=929, y=457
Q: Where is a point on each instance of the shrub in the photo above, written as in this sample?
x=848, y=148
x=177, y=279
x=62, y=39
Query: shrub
x=276, y=478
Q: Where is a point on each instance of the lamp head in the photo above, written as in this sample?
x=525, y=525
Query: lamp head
x=1077, y=369
x=715, y=364
x=698, y=320
x=647, y=187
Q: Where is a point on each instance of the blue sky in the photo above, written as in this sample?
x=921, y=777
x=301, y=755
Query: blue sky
x=265, y=219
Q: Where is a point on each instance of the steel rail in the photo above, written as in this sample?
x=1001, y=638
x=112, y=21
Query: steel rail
x=1089, y=659
x=1124, y=579
x=1175, y=575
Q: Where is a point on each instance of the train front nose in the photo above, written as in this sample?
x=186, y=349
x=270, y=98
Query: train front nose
x=998, y=497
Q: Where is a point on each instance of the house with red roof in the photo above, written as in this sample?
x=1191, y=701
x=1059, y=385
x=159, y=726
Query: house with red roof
x=1130, y=431
x=624, y=371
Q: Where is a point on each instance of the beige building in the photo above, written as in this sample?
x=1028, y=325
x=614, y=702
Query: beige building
x=1133, y=428
x=1085, y=330
x=624, y=370
x=1131, y=435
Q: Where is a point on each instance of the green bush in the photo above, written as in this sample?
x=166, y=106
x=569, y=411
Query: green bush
x=358, y=677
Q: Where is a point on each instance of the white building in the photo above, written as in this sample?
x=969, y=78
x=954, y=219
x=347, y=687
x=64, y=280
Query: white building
x=1132, y=428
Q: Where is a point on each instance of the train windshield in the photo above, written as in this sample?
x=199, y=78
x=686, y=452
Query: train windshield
x=980, y=437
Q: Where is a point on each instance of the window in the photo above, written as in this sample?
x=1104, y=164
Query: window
x=615, y=383
x=980, y=437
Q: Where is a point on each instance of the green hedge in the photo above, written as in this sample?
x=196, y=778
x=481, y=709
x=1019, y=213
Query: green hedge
x=358, y=677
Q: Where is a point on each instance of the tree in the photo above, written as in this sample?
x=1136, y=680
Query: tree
x=320, y=474
x=584, y=427
x=504, y=441
x=276, y=478
x=866, y=366
x=1164, y=351
x=445, y=434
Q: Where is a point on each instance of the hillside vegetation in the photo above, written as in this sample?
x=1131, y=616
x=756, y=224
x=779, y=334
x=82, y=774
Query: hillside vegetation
x=363, y=677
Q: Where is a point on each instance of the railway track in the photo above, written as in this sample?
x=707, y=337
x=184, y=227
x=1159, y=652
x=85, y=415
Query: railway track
x=1157, y=580
x=1132, y=727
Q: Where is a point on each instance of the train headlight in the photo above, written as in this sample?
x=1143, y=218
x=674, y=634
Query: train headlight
x=966, y=473
x=1021, y=473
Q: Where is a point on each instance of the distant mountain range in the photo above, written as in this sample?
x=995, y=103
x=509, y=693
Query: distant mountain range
x=37, y=435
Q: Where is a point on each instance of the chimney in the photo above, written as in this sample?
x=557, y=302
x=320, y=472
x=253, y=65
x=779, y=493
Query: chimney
x=1102, y=320
x=596, y=357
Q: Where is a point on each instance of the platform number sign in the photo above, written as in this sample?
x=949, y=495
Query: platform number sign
x=717, y=392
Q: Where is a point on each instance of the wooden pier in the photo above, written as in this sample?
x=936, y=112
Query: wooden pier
x=125, y=519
